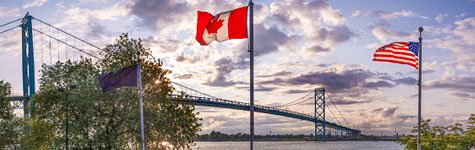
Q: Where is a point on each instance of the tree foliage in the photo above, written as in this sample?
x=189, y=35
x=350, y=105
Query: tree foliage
x=20, y=133
x=8, y=133
x=107, y=120
x=442, y=137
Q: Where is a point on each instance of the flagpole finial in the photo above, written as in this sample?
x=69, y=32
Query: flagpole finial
x=420, y=33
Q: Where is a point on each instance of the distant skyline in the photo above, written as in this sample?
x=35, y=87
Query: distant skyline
x=302, y=45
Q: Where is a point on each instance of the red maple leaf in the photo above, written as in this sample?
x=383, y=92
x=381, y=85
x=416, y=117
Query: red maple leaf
x=214, y=25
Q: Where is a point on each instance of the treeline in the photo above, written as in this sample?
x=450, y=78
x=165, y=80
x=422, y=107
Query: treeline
x=442, y=137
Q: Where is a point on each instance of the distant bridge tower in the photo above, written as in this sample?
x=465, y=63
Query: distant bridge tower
x=28, y=63
x=320, y=132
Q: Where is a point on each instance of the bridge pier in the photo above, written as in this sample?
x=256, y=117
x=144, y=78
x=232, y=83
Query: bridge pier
x=320, y=128
x=28, y=63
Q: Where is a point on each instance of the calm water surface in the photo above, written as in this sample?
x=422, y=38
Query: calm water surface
x=301, y=145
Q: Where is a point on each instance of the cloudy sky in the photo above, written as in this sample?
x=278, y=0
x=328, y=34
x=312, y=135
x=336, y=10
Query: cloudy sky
x=301, y=45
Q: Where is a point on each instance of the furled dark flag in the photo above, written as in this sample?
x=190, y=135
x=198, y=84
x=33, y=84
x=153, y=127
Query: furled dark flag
x=123, y=77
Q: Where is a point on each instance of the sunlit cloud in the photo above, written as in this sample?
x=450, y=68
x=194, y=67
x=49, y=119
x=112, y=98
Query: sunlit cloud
x=35, y=3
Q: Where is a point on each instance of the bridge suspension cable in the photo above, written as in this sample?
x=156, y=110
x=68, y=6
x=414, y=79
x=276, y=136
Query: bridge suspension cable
x=194, y=90
x=9, y=29
x=336, y=118
x=297, y=101
x=338, y=109
x=67, y=33
x=52, y=37
x=4, y=31
x=10, y=22
x=65, y=44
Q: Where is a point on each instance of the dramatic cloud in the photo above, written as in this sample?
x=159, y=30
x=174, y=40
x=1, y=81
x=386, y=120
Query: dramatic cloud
x=385, y=35
x=466, y=62
x=337, y=79
x=35, y=3
x=387, y=15
x=11, y=42
x=350, y=102
x=295, y=91
x=189, y=59
x=281, y=73
x=269, y=39
x=152, y=12
x=406, y=80
x=184, y=76
x=461, y=15
x=378, y=84
x=9, y=12
x=384, y=119
x=224, y=67
x=93, y=1
x=87, y=23
x=440, y=17
x=463, y=95
x=179, y=14
x=161, y=45
x=460, y=83
x=349, y=83
x=264, y=89
x=330, y=38
x=458, y=39
x=84, y=16
x=97, y=31
x=323, y=26
x=466, y=29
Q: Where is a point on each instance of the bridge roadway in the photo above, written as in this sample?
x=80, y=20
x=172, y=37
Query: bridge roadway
x=215, y=102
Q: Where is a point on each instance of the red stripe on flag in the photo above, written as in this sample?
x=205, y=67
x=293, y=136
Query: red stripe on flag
x=398, y=47
x=203, y=19
x=399, y=62
x=408, y=53
x=400, y=43
x=396, y=52
x=237, y=23
x=397, y=57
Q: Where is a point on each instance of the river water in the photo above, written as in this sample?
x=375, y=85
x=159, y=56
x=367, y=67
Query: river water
x=301, y=145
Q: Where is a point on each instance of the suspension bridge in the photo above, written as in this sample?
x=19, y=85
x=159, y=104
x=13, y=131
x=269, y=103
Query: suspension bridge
x=64, y=45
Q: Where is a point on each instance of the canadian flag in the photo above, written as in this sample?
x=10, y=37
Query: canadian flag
x=224, y=26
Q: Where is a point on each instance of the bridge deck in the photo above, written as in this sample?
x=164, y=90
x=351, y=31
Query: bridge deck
x=214, y=102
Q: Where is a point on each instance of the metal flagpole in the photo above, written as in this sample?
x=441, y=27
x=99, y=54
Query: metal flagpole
x=251, y=55
x=141, y=99
x=420, y=90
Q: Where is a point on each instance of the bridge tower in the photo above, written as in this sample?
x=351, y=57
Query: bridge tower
x=320, y=132
x=28, y=63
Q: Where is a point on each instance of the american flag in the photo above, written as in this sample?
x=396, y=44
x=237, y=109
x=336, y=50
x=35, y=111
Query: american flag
x=398, y=52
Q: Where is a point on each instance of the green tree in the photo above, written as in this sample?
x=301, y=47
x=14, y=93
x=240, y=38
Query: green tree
x=111, y=120
x=6, y=110
x=442, y=138
x=9, y=134
x=20, y=133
